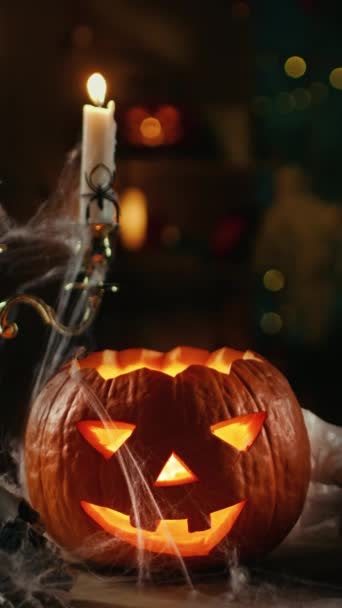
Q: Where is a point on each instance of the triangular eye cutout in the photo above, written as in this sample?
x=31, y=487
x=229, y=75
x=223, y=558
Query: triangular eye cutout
x=240, y=432
x=105, y=437
x=175, y=473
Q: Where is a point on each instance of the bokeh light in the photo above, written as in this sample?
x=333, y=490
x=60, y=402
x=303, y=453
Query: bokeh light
x=153, y=127
x=168, y=114
x=302, y=98
x=151, y=131
x=136, y=115
x=335, y=78
x=319, y=92
x=271, y=323
x=273, y=280
x=285, y=103
x=133, y=220
x=82, y=36
x=171, y=122
x=295, y=67
x=170, y=235
x=262, y=105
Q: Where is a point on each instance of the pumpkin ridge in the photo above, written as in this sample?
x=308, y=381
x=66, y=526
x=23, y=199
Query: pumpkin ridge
x=274, y=507
x=271, y=452
x=85, y=385
x=61, y=468
x=215, y=376
x=40, y=468
x=269, y=445
x=278, y=385
x=240, y=461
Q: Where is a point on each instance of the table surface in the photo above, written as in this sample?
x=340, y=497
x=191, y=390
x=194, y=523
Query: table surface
x=307, y=574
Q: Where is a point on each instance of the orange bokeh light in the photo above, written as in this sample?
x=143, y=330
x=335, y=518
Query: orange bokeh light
x=134, y=218
x=168, y=114
x=151, y=131
x=153, y=128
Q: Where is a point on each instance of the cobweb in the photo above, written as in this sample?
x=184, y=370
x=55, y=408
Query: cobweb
x=33, y=573
x=48, y=250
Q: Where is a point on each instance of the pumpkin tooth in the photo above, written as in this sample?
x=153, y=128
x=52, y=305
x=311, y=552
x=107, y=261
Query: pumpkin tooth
x=180, y=358
x=222, y=360
x=198, y=522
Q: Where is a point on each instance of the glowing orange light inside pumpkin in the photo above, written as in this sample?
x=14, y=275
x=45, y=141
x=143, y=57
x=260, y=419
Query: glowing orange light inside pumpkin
x=107, y=437
x=171, y=535
x=240, y=432
x=110, y=364
x=175, y=472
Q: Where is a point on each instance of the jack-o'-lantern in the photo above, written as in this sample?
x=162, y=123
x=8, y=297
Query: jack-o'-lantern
x=179, y=455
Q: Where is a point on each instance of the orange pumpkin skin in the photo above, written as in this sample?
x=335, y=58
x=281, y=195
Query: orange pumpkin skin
x=170, y=415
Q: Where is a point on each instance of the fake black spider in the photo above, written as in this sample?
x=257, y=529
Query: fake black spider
x=101, y=192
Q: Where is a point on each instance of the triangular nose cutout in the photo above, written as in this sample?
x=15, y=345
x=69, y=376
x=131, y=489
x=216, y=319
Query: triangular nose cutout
x=175, y=473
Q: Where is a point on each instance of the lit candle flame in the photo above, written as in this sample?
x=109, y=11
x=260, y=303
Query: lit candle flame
x=97, y=88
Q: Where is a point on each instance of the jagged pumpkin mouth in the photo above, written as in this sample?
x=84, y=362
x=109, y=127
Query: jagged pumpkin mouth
x=171, y=536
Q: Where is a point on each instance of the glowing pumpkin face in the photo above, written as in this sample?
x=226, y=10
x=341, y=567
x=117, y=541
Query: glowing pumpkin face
x=171, y=536
x=182, y=454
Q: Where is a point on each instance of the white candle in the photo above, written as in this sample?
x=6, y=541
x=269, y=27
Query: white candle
x=97, y=163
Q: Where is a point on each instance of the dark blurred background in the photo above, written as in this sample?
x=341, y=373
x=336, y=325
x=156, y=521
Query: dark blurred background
x=230, y=136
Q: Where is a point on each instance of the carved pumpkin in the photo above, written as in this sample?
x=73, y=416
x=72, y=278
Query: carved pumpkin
x=186, y=454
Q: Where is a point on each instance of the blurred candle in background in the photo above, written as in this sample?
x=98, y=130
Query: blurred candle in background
x=133, y=219
x=97, y=164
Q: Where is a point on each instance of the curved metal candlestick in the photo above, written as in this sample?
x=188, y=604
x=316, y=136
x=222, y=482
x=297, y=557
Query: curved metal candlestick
x=96, y=264
x=9, y=330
